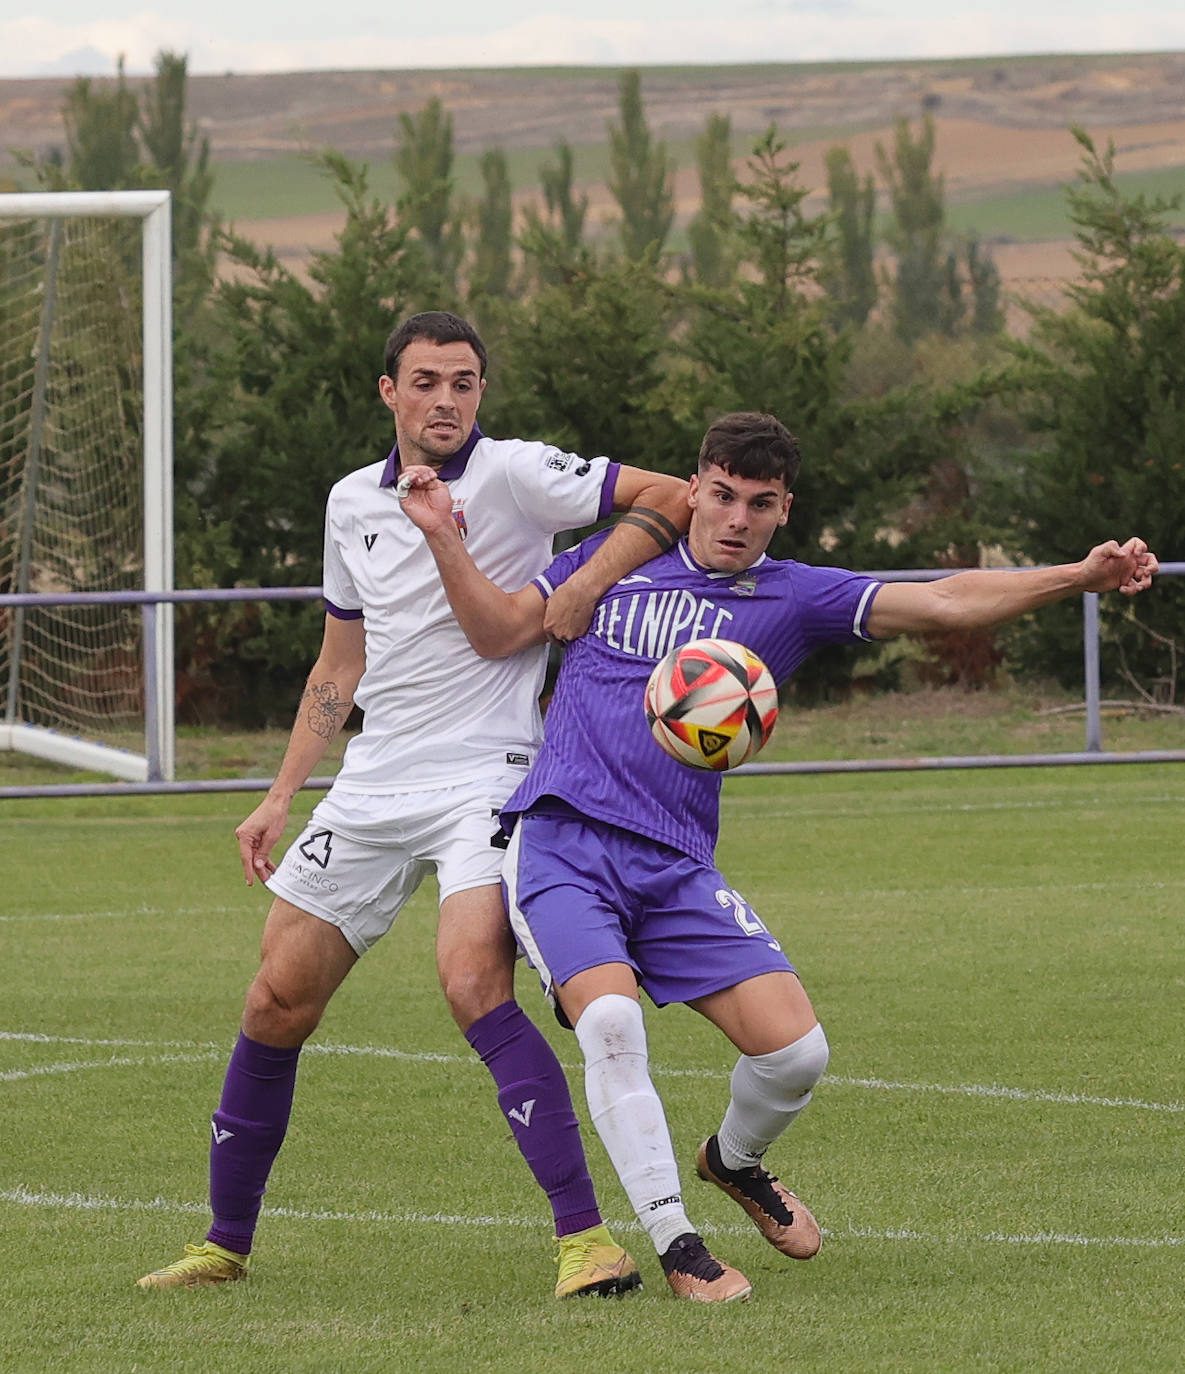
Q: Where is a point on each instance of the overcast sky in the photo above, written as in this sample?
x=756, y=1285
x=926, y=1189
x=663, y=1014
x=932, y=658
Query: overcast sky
x=65, y=37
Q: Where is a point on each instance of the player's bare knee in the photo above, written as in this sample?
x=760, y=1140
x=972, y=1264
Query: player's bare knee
x=475, y=976
x=470, y=1000
x=275, y=1018
x=473, y=991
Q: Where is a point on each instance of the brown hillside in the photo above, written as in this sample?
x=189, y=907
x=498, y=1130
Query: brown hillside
x=248, y=116
x=1002, y=123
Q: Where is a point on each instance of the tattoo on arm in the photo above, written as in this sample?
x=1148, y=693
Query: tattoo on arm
x=657, y=526
x=327, y=710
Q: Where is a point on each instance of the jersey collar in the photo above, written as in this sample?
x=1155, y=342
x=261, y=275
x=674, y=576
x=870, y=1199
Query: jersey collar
x=448, y=472
x=688, y=558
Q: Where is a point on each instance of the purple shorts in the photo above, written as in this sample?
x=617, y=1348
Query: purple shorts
x=582, y=893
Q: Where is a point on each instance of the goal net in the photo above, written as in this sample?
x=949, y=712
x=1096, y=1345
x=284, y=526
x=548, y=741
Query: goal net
x=86, y=661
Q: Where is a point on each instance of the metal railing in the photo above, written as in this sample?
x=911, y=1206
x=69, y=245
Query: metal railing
x=1092, y=752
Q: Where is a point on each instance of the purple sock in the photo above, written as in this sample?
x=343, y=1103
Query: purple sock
x=248, y=1129
x=533, y=1094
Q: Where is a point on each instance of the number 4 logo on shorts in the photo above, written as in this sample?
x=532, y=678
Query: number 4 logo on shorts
x=318, y=848
x=745, y=916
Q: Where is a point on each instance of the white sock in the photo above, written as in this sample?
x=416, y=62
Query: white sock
x=628, y=1114
x=768, y=1092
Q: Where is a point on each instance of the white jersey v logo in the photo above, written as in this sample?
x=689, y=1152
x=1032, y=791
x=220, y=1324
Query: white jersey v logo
x=523, y=1113
x=219, y=1136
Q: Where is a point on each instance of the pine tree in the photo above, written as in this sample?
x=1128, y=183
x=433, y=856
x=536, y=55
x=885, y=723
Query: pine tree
x=100, y=121
x=567, y=210
x=553, y=242
x=852, y=281
x=424, y=161
x=983, y=276
x=922, y=300
x=492, y=270
x=712, y=252
x=783, y=244
x=178, y=159
x=642, y=178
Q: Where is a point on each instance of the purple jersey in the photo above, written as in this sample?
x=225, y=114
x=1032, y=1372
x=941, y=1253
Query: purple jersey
x=598, y=753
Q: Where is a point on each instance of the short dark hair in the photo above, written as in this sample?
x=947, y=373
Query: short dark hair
x=752, y=445
x=441, y=327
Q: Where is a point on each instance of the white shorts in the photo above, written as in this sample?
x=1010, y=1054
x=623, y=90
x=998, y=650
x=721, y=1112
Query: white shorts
x=361, y=856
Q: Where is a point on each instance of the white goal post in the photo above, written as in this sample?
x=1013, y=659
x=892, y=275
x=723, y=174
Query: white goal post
x=59, y=678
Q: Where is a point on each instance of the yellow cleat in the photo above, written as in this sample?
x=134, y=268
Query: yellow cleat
x=592, y=1263
x=201, y=1265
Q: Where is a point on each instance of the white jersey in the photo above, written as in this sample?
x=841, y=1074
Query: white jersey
x=434, y=711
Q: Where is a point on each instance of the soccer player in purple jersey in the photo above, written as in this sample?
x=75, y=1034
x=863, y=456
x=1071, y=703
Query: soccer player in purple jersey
x=610, y=871
x=410, y=802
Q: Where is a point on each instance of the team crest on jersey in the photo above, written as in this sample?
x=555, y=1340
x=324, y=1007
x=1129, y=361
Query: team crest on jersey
x=559, y=462
x=744, y=586
x=459, y=517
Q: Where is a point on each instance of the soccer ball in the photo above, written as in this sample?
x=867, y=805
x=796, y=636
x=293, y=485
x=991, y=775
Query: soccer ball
x=711, y=704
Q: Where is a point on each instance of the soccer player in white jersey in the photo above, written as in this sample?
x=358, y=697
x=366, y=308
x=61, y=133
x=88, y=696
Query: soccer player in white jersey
x=611, y=875
x=446, y=737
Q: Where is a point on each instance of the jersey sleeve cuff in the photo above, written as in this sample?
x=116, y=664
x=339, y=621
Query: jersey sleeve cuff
x=608, y=487
x=863, y=609
x=342, y=612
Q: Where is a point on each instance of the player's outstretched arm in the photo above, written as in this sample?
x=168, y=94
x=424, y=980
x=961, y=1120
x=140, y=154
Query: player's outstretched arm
x=980, y=598
x=328, y=697
x=496, y=623
x=656, y=514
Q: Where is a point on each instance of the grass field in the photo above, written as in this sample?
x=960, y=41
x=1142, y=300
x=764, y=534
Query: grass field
x=1041, y=213
x=285, y=186
x=995, y=1155
x=273, y=187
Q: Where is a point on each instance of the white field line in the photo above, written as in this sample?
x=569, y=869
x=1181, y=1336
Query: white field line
x=81, y=1202
x=46, y=1070
x=46, y=822
x=818, y=809
x=125, y=914
x=37, y=1038
x=1009, y=1094
x=212, y=1050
